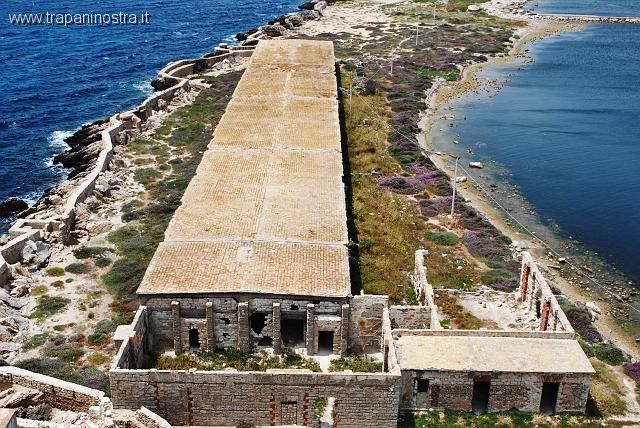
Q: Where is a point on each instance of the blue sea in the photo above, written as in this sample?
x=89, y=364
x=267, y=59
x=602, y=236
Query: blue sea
x=54, y=79
x=565, y=130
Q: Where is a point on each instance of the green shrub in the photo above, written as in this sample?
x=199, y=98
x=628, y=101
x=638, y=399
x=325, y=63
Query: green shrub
x=65, y=352
x=97, y=339
x=320, y=405
x=355, y=363
x=48, y=306
x=443, y=238
x=147, y=176
x=89, y=377
x=35, y=341
x=366, y=245
x=54, y=271
x=90, y=252
x=78, y=268
x=496, y=275
x=245, y=425
x=57, y=284
x=102, y=262
x=610, y=354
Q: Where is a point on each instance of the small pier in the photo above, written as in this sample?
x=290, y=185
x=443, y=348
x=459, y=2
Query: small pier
x=591, y=18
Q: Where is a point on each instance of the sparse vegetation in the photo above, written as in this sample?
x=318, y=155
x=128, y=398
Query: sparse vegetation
x=457, y=316
x=78, y=268
x=184, y=131
x=48, y=306
x=356, y=363
x=54, y=271
x=35, y=341
x=86, y=376
x=606, y=390
x=443, y=238
x=237, y=359
x=90, y=252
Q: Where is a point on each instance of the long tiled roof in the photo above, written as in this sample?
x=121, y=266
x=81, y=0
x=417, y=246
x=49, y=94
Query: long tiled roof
x=265, y=212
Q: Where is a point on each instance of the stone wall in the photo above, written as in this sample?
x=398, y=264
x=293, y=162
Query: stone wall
x=366, y=322
x=535, y=291
x=226, y=320
x=281, y=397
x=525, y=334
x=454, y=390
x=36, y=228
x=410, y=317
x=57, y=393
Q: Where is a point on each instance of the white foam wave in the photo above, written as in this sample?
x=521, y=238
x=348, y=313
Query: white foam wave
x=56, y=139
x=144, y=87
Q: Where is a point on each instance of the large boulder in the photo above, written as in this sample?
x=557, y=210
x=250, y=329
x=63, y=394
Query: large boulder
x=275, y=30
x=307, y=6
x=12, y=206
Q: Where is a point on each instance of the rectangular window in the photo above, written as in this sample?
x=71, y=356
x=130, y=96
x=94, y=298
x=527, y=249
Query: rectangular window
x=422, y=385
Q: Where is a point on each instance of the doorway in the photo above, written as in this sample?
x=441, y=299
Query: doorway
x=194, y=339
x=325, y=342
x=289, y=413
x=480, y=398
x=292, y=332
x=549, y=398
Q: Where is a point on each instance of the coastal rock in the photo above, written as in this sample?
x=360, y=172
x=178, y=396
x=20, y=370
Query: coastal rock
x=478, y=165
x=309, y=15
x=592, y=307
x=12, y=206
x=36, y=252
x=275, y=30
x=12, y=301
x=473, y=8
x=320, y=6
x=307, y=6
x=296, y=19
x=15, y=324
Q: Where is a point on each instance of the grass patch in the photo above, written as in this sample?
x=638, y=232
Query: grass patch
x=65, y=352
x=48, y=306
x=606, y=389
x=237, y=359
x=78, y=268
x=510, y=419
x=90, y=252
x=457, y=316
x=443, y=238
x=39, y=290
x=147, y=176
x=36, y=341
x=355, y=363
x=54, y=271
x=450, y=76
x=102, y=262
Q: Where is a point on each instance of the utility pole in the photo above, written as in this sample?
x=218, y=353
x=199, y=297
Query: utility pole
x=391, y=66
x=455, y=181
x=350, y=94
x=417, y=32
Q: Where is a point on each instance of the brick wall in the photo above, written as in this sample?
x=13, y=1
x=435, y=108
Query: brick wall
x=227, y=398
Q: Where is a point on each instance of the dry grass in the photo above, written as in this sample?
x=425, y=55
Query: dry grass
x=389, y=226
x=607, y=389
x=458, y=316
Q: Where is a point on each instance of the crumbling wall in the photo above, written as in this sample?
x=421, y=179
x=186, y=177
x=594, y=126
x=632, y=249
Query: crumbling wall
x=522, y=391
x=57, y=393
x=366, y=322
x=410, y=317
x=281, y=397
x=538, y=296
x=192, y=312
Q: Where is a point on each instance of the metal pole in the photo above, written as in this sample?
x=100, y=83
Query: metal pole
x=350, y=94
x=417, y=32
x=392, y=66
x=455, y=180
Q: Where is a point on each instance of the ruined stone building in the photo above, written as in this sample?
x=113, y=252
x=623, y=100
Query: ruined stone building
x=256, y=258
